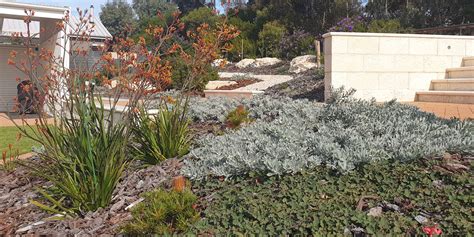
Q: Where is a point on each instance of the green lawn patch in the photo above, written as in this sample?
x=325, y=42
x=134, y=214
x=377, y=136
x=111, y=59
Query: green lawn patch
x=8, y=135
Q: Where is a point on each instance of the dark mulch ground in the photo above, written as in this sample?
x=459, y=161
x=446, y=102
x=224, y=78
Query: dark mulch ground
x=308, y=85
x=17, y=189
x=277, y=69
x=205, y=128
x=240, y=83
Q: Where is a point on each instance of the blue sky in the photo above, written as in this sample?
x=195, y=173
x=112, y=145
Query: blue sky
x=83, y=4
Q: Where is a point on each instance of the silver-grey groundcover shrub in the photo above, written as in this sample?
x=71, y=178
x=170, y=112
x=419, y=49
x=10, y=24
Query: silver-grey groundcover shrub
x=342, y=134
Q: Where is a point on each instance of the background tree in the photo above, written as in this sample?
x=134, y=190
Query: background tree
x=186, y=6
x=149, y=8
x=117, y=16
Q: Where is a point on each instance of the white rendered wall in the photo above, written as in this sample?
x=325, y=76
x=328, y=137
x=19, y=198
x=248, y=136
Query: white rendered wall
x=390, y=66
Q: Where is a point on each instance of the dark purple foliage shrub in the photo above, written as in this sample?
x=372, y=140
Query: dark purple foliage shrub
x=350, y=24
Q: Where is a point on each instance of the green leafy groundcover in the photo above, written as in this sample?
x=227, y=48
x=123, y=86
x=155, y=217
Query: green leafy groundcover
x=323, y=201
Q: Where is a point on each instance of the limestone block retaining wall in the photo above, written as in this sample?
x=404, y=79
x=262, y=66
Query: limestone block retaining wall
x=390, y=66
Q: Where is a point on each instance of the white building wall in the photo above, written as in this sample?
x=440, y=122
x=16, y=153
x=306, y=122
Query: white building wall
x=390, y=66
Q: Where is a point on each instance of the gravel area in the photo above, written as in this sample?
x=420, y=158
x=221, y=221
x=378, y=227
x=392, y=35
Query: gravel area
x=278, y=69
x=307, y=85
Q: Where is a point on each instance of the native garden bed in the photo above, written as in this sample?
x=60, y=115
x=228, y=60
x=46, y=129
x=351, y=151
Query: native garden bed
x=275, y=165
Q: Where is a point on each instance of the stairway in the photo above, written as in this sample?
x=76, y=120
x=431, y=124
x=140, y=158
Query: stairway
x=457, y=88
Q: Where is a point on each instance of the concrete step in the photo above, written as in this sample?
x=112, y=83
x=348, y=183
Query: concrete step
x=464, y=84
x=468, y=61
x=460, y=72
x=458, y=97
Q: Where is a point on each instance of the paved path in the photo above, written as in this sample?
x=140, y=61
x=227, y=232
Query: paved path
x=447, y=110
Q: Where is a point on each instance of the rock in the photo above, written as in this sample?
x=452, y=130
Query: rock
x=244, y=63
x=438, y=184
x=375, y=211
x=117, y=206
x=140, y=184
x=303, y=63
x=393, y=207
x=421, y=219
x=219, y=62
x=265, y=62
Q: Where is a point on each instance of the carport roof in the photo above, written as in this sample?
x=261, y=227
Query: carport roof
x=12, y=13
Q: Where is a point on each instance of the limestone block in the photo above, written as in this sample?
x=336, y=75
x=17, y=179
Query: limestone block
x=393, y=80
x=421, y=81
x=423, y=46
x=347, y=63
x=408, y=63
x=437, y=63
x=451, y=47
x=379, y=63
x=394, y=45
x=338, y=44
x=366, y=45
x=362, y=81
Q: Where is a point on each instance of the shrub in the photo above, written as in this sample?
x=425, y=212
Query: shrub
x=245, y=45
x=343, y=134
x=385, y=26
x=181, y=73
x=260, y=107
x=163, y=212
x=237, y=117
x=269, y=39
x=348, y=24
x=296, y=44
x=164, y=135
x=199, y=16
x=323, y=201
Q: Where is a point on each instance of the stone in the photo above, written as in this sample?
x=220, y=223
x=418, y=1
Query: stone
x=393, y=207
x=375, y=211
x=303, y=63
x=219, y=62
x=139, y=184
x=117, y=206
x=265, y=62
x=421, y=219
x=244, y=63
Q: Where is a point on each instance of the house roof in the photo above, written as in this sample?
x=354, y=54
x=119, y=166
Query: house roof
x=99, y=30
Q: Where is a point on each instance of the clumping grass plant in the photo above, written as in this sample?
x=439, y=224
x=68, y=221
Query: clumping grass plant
x=163, y=135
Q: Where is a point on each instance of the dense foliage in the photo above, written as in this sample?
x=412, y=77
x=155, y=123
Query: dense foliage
x=163, y=213
x=323, y=201
x=315, y=17
x=342, y=135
